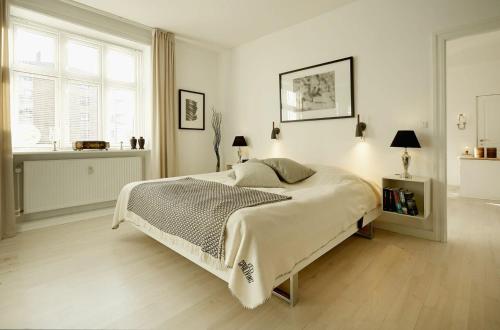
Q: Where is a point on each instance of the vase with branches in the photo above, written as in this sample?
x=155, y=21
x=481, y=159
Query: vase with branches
x=216, y=125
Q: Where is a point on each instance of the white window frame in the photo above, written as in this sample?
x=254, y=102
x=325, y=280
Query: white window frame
x=61, y=76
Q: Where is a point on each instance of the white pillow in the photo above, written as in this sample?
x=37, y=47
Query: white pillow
x=256, y=175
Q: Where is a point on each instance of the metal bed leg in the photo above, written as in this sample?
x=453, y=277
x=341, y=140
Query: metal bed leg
x=367, y=231
x=292, y=296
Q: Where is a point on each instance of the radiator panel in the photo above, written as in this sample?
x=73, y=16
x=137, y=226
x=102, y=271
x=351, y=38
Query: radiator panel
x=55, y=184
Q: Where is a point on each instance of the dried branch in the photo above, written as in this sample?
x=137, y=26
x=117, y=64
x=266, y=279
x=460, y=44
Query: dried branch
x=216, y=125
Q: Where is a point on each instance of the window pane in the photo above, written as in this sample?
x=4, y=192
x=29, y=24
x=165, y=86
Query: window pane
x=120, y=66
x=120, y=110
x=34, y=48
x=82, y=58
x=80, y=112
x=33, y=117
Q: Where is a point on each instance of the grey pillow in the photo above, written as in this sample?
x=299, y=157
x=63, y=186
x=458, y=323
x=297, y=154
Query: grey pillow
x=288, y=170
x=256, y=175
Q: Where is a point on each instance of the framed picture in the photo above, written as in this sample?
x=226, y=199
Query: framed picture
x=323, y=91
x=191, y=110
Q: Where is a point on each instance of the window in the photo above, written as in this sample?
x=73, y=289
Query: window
x=67, y=88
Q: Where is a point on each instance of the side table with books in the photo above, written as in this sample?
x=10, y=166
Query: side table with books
x=407, y=197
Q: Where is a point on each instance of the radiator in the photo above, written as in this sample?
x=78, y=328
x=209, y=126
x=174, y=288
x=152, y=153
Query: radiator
x=55, y=184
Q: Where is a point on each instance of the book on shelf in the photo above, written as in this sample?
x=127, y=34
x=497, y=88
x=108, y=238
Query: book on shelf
x=404, y=208
x=399, y=200
x=387, y=199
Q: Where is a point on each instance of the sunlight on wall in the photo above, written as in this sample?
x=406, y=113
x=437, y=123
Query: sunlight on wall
x=361, y=158
x=276, y=149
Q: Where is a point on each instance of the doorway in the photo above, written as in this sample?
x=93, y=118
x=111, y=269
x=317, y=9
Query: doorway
x=471, y=88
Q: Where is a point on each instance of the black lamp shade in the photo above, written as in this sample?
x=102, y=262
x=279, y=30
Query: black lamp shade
x=239, y=141
x=405, y=139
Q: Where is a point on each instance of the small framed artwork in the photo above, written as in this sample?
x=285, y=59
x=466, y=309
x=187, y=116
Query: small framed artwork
x=323, y=91
x=191, y=110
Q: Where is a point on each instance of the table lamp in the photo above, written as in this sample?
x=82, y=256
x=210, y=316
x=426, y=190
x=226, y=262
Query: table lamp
x=239, y=141
x=405, y=139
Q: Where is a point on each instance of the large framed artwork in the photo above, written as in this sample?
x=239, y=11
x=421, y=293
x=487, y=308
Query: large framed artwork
x=191, y=110
x=323, y=91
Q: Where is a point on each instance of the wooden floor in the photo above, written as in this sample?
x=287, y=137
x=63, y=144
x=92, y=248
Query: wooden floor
x=85, y=275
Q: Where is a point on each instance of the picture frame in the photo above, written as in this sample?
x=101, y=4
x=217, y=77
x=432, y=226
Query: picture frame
x=318, y=92
x=191, y=110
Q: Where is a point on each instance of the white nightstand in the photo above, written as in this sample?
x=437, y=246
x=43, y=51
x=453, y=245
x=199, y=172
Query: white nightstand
x=419, y=186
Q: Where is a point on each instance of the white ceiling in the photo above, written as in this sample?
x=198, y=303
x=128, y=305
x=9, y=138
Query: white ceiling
x=225, y=23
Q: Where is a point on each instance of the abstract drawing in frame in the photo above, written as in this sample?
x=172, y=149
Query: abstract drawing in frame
x=323, y=91
x=191, y=110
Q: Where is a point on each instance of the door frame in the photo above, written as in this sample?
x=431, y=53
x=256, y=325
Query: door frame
x=439, y=190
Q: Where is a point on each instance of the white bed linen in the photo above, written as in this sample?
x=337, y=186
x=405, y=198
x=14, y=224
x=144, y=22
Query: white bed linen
x=275, y=238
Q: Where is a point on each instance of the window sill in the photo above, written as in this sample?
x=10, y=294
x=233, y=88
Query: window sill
x=73, y=152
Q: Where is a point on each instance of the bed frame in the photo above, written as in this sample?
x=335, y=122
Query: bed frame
x=286, y=287
x=290, y=291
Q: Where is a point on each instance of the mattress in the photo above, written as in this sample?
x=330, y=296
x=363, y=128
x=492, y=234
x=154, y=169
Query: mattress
x=264, y=244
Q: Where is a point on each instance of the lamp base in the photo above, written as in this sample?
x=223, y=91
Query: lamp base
x=405, y=158
x=239, y=155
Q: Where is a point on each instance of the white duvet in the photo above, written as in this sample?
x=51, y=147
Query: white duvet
x=265, y=243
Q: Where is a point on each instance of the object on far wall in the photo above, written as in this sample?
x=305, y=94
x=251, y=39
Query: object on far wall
x=191, y=110
x=239, y=141
x=488, y=120
x=323, y=91
x=491, y=152
x=479, y=152
x=216, y=125
x=405, y=139
x=461, y=122
x=360, y=128
x=275, y=132
x=133, y=143
x=141, y=142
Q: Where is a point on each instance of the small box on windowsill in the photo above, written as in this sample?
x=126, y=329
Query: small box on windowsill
x=92, y=145
x=491, y=152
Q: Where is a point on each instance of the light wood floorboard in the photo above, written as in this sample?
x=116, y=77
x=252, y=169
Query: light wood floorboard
x=85, y=275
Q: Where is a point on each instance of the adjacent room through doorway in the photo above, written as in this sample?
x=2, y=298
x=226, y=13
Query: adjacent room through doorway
x=473, y=137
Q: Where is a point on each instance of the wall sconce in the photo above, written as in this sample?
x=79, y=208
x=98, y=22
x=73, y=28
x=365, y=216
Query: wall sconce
x=360, y=128
x=275, y=132
x=462, y=122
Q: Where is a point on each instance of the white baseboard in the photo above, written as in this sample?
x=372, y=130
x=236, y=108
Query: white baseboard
x=400, y=229
x=59, y=220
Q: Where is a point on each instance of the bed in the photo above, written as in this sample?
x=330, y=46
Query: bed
x=269, y=244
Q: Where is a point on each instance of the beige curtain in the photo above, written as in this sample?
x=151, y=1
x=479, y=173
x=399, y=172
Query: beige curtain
x=7, y=217
x=163, y=153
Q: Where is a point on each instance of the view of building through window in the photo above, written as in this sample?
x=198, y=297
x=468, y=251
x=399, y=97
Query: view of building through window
x=68, y=88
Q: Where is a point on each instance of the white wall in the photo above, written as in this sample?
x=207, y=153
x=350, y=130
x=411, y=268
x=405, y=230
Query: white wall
x=473, y=68
x=392, y=42
x=197, y=69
